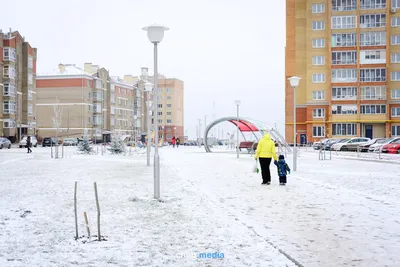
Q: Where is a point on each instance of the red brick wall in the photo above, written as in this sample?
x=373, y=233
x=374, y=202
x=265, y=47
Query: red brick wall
x=55, y=83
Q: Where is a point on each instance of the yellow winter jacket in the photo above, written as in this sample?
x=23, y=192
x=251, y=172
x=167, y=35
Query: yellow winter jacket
x=266, y=148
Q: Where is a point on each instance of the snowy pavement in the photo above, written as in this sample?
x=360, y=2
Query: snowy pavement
x=331, y=213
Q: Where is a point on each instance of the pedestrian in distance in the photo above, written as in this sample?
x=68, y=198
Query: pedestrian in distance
x=265, y=152
x=173, y=141
x=283, y=169
x=178, y=141
x=28, y=144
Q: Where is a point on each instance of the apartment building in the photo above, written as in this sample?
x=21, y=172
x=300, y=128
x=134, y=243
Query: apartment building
x=347, y=53
x=170, y=105
x=17, y=86
x=91, y=103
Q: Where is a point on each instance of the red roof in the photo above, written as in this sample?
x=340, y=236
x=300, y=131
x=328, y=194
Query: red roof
x=245, y=126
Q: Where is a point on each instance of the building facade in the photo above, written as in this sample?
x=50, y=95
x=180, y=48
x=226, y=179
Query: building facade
x=347, y=53
x=17, y=86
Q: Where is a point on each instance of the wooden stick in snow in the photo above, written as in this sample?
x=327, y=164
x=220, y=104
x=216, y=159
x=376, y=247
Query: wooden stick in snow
x=98, y=211
x=76, y=212
x=87, y=224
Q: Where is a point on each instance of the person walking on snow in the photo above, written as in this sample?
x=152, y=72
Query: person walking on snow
x=265, y=152
x=173, y=141
x=178, y=141
x=28, y=144
x=283, y=169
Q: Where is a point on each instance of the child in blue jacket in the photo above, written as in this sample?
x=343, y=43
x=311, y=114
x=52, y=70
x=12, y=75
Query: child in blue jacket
x=283, y=169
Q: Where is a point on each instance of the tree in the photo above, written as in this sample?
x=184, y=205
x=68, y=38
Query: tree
x=117, y=145
x=58, y=109
x=84, y=146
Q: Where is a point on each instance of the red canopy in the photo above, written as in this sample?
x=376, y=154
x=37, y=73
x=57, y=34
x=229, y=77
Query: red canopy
x=245, y=126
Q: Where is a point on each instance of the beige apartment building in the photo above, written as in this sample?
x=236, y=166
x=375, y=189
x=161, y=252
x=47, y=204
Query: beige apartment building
x=347, y=53
x=17, y=86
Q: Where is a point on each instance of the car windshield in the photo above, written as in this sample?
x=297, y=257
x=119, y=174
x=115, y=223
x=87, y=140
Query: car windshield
x=381, y=141
x=2, y=139
x=344, y=141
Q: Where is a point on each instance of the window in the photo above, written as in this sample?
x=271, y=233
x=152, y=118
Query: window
x=344, y=57
x=112, y=110
x=160, y=105
x=373, y=56
x=344, y=93
x=318, y=78
x=395, y=21
x=9, y=90
x=318, y=95
x=318, y=25
x=372, y=38
x=318, y=60
x=395, y=40
x=97, y=120
x=159, y=121
x=318, y=8
x=372, y=75
x=344, y=129
x=113, y=97
x=169, y=113
x=395, y=93
x=373, y=92
x=344, y=5
x=30, y=94
x=395, y=58
x=395, y=112
x=9, y=54
x=373, y=4
x=344, y=39
x=169, y=97
x=30, y=78
x=168, y=90
x=395, y=129
x=318, y=113
x=395, y=76
x=169, y=105
x=30, y=62
x=372, y=109
x=9, y=107
x=395, y=3
x=344, y=22
x=30, y=110
x=159, y=113
x=112, y=121
x=344, y=75
x=169, y=121
x=9, y=72
x=119, y=101
x=98, y=84
x=318, y=43
x=9, y=123
x=373, y=21
x=344, y=109
x=318, y=131
x=97, y=108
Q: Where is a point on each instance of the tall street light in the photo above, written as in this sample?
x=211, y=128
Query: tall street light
x=237, y=102
x=148, y=87
x=294, y=82
x=134, y=129
x=155, y=33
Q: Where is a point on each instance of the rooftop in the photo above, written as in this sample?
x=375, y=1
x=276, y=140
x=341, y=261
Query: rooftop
x=66, y=70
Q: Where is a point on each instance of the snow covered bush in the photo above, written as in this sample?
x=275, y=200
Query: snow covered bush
x=117, y=145
x=84, y=146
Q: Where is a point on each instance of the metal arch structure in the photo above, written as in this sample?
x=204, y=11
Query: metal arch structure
x=248, y=125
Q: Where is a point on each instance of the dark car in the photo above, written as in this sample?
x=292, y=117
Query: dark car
x=48, y=141
x=5, y=143
x=331, y=142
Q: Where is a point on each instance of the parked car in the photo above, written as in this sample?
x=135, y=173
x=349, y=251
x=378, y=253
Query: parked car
x=49, y=141
x=351, y=144
x=319, y=144
x=328, y=145
x=5, y=143
x=378, y=146
x=365, y=147
x=70, y=142
x=393, y=147
x=22, y=143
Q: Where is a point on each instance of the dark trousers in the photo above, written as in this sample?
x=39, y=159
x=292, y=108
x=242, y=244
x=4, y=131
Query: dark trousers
x=29, y=149
x=282, y=179
x=265, y=172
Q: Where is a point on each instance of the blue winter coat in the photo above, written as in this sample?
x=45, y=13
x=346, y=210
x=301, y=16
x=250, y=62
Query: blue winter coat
x=283, y=168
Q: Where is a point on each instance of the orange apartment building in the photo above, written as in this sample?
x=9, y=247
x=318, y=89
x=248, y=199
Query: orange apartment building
x=17, y=86
x=347, y=53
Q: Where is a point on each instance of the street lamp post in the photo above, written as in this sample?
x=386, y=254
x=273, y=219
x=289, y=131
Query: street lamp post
x=199, y=132
x=148, y=88
x=294, y=82
x=134, y=129
x=155, y=33
x=237, y=102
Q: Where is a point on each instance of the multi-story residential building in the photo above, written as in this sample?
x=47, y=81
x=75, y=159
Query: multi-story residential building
x=17, y=86
x=347, y=53
x=170, y=105
x=92, y=103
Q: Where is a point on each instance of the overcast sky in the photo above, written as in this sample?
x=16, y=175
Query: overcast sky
x=222, y=49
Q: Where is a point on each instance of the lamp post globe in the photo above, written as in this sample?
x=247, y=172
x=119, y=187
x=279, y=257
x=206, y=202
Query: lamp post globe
x=155, y=33
x=294, y=81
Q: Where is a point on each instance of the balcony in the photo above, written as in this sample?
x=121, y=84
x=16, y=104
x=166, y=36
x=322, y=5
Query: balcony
x=365, y=4
x=344, y=5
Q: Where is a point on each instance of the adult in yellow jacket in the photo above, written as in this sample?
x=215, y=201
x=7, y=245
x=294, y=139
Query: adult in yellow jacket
x=265, y=152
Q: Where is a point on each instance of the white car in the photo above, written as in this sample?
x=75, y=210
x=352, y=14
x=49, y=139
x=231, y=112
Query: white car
x=351, y=144
x=70, y=142
x=377, y=147
x=22, y=143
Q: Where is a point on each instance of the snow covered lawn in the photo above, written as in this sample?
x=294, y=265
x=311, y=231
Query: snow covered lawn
x=331, y=213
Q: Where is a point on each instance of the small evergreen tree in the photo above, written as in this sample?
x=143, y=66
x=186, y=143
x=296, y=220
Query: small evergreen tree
x=117, y=145
x=85, y=147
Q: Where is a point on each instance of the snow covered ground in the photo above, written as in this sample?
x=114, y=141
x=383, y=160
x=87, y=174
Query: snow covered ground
x=332, y=213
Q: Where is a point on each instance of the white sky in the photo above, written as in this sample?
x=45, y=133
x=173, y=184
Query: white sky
x=222, y=49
